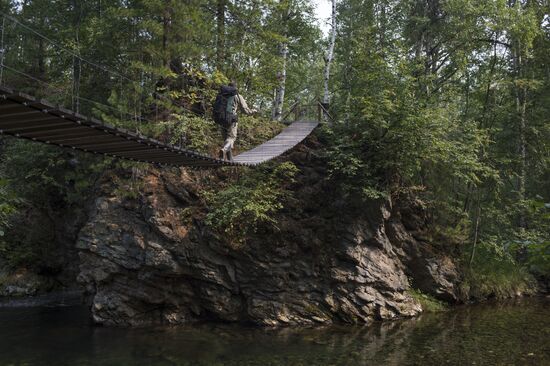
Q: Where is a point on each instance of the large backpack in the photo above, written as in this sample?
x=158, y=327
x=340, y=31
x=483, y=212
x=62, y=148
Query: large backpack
x=223, y=106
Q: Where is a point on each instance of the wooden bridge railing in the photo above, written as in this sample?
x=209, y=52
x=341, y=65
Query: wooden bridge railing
x=314, y=110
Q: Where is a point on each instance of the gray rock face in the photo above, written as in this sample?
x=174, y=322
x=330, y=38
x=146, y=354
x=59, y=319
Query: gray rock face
x=429, y=271
x=143, y=263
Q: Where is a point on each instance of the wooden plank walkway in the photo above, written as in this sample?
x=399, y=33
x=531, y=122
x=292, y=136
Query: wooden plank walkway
x=287, y=139
x=24, y=116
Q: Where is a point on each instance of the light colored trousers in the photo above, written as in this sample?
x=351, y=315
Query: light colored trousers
x=229, y=135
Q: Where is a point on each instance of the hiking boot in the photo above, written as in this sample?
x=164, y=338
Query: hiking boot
x=223, y=155
x=230, y=155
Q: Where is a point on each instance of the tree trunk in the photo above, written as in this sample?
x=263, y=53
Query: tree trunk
x=330, y=54
x=76, y=61
x=419, y=12
x=41, y=56
x=521, y=109
x=166, y=21
x=280, y=91
x=277, y=112
x=220, y=33
x=476, y=230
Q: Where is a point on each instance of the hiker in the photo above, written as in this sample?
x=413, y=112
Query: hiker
x=228, y=102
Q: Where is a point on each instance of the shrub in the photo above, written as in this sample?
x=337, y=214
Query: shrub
x=39, y=180
x=495, y=273
x=429, y=303
x=203, y=134
x=7, y=206
x=538, y=258
x=240, y=208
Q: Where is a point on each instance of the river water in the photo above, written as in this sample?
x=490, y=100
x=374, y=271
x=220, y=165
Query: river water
x=506, y=333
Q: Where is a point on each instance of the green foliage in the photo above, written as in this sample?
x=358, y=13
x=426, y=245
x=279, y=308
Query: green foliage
x=495, y=273
x=239, y=209
x=29, y=248
x=130, y=188
x=435, y=99
x=539, y=258
x=195, y=133
x=8, y=203
x=39, y=181
x=429, y=303
x=49, y=173
x=204, y=135
x=438, y=100
x=401, y=141
x=154, y=69
x=532, y=245
x=165, y=56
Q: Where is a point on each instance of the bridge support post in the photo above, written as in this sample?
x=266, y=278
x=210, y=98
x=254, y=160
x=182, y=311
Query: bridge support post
x=324, y=116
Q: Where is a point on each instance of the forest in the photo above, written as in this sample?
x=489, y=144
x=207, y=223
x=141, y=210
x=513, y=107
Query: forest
x=442, y=102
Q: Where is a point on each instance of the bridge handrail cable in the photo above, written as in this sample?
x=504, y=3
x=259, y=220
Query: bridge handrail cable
x=82, y=59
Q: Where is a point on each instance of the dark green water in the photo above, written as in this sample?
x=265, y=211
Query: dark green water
x=509, y=333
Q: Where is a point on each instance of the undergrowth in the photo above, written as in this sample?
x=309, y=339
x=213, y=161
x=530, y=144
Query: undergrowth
x=429, y=303
x=38, y=181
x=237, y=210
x=494, y=273
x=203, y=135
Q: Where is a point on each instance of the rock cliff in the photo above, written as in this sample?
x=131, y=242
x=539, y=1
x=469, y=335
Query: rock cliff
x=142, y=263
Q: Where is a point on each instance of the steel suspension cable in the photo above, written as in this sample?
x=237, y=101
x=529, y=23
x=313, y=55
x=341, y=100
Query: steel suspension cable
x=94, y=64
x=64, y=49
x=64, y=91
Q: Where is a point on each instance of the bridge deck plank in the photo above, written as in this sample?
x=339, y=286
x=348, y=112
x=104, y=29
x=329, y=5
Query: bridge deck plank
x=24, y=116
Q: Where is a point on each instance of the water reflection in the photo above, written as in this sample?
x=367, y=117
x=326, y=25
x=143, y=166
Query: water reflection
x=510, y=333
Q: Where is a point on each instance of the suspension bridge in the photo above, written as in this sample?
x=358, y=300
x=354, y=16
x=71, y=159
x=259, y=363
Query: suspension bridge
x=35, y=108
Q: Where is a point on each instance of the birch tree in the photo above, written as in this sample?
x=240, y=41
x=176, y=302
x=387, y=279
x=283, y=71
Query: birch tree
x=280, y=91
x=292, y=24
x=279, y=98
x=329, y=55
x=522, y=33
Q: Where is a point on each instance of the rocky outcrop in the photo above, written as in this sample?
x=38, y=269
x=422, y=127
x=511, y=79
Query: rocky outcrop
x=21, y=283
x=143, y=261
x=38, y=255
x=429, y=270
